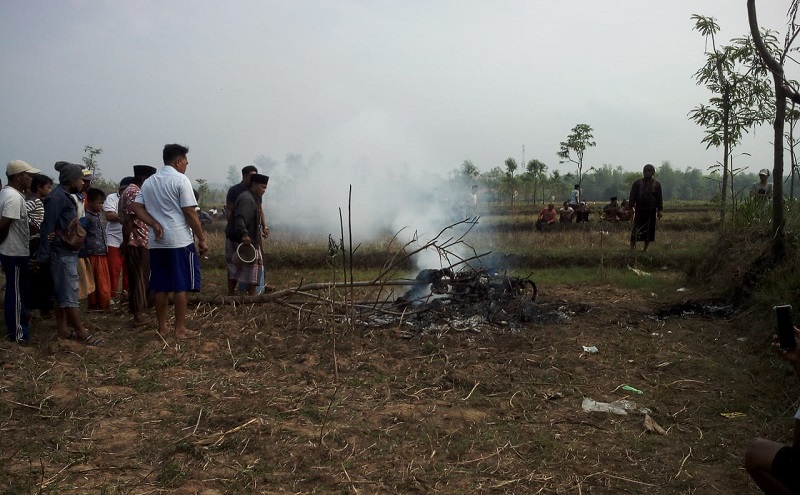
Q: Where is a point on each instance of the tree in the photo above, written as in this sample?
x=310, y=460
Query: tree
x=577, y=142
x=90, y=161
x=511, y=167
x=741, y=94
x=203, y=190
x=537, y=171
x=766, y=53
x=233, y=176
x=468, y=170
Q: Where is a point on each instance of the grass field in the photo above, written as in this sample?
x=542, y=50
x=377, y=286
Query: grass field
x=479, y=398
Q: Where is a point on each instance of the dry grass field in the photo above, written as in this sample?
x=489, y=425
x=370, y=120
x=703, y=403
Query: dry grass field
x=272, y=398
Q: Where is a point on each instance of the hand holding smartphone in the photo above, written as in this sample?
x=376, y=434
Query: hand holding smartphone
x=784, y=327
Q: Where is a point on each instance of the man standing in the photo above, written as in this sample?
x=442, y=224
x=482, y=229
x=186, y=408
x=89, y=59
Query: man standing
x=166, y=203
x=575, y=197
x=762, y=189
x=61, y=220
x=116, y=258
x=246, y=229
x=230, y=201
x=134, y=245
x=15, y=250
x=647, y=202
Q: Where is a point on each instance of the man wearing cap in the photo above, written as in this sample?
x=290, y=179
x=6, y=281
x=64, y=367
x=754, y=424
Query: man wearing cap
x=134, y=245
x=762, y=189
x=60, y=212
x=166, y=203
x=245, y=228
x=647, y=202
x=230, y=201
x=116, y=258
x=14, y=249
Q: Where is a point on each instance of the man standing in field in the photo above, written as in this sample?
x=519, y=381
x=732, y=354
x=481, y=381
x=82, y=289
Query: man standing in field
x=116, y=257
x=15, y=250
x=230, y=201
x=246, y=228
x=647, y=202
x=166, y=203
x=762, y=190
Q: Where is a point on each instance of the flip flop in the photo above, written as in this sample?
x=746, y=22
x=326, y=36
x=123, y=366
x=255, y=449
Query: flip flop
x=93, y=341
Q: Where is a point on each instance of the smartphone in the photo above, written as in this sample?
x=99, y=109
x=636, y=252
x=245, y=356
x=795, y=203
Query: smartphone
x=784, y=326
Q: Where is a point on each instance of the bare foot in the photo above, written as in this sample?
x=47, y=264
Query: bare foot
x=140, y=320
x=164, y=330
x=185, y=333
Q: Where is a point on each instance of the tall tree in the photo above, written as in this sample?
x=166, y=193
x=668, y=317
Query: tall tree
x=767, y=54
x=537, y=171
x=741, y=94
x=577, y=143
x=511, y=167
x=468, y=170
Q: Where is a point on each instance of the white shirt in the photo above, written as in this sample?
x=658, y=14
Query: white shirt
x=574, y=197
x=12, y=205
x=164, y=195
x=113, y=229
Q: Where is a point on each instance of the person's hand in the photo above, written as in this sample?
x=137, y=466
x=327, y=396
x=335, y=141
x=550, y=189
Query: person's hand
x=791, y=355
x=265, y=232
x=33, y=266
x=51, y=236
x=202, y=247
x=158, y=230
x=658, y=214
x=246, y=240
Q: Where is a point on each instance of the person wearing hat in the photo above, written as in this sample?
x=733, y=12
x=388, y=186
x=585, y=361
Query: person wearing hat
x=611, y=210
x=115, y=256
x=230, y=201
x=15, y=249
x=134, y=246
x=167, y=205
x=647, y=202
x=245, y=228
x=61, y=221
x=763, y=188
x=547, y=217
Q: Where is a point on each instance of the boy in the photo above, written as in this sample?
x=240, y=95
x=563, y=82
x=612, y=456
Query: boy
x=95, y=244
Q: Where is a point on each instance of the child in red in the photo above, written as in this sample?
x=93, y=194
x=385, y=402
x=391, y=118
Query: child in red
x=95, y=244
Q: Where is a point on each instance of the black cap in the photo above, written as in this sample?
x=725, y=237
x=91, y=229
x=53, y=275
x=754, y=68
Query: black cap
x=125, y=182
x=613, y=198
x=144, y=171
x=259, y=179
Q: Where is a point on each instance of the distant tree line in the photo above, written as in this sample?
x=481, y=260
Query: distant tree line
x=538, y=185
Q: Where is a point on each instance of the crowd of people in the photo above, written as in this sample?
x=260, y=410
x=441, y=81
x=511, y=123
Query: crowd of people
x=69, y=241
x=642, y=209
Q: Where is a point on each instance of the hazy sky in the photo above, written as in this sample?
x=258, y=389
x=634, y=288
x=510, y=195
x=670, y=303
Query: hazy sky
x=410, y=85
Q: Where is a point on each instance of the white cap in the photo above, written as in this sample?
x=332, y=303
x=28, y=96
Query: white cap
x=763, y=171
x=18, y=166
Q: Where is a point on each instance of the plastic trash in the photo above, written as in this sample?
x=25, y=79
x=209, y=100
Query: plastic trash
x=628, y=388
x=621, y=407
x=590, y=349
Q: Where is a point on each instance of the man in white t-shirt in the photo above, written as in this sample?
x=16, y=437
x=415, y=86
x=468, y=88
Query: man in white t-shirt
x=166, y=203
x=115, y=255
x=15, y=250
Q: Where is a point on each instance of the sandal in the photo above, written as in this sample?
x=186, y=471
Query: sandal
x=93, y=341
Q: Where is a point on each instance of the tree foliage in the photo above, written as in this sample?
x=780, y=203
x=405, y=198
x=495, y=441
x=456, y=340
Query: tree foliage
x=90, y=161
x=741, y=93
x=577, y=142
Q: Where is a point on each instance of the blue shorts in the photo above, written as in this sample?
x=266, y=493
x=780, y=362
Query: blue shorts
x=174, y=269
x=64, y=269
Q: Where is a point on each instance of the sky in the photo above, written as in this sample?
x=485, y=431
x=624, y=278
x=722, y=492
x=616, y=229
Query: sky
x=411, y=84
x=393, y=90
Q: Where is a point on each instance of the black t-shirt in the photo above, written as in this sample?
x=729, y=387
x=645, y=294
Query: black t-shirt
x=235, y=191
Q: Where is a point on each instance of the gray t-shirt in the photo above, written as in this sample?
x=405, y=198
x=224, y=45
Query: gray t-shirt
x=12, y=205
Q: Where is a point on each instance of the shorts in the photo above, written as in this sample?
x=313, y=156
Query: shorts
x=174, y=269
x=64, y=269
x=786, y=468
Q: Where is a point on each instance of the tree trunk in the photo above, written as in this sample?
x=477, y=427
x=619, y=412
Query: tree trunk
x=780, y=115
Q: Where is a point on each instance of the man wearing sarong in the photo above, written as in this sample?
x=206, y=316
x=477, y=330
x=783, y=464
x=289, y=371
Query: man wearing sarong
x=647, y=202
x=246, y=228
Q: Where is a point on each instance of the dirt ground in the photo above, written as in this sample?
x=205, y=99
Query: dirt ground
x=269, y=401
